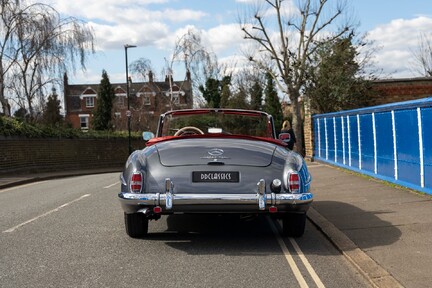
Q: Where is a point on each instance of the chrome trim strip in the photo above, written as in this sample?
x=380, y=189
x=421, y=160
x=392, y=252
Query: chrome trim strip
x=210, y=199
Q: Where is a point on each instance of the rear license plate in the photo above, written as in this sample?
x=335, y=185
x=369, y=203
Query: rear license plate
x=211, y=176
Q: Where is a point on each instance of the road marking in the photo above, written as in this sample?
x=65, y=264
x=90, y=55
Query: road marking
x=306, y=263
x=109, y=186
x=288, y=256
x=21, y=186
x=45, y=214
x=291, y=262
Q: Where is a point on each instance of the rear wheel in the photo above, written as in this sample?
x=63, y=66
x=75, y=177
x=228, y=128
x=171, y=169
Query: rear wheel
x=293, y=225
x=136, y=225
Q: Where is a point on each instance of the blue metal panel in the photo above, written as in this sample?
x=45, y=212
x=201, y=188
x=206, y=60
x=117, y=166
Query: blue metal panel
x=427, y=145
x=330, y=138
x=345, y=133
x=354, y=141
x=407, y=142
x=385, y=153
x=407, y=139
x=367, y=142
x=321, y=138
x=339, y=148
x=406, y=105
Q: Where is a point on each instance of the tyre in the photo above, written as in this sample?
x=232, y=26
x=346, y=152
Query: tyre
x=293, y=224
x=136, y=225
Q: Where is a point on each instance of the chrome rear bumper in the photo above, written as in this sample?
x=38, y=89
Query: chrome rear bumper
x=160, y=199
x=133, y=202
x=178, y=202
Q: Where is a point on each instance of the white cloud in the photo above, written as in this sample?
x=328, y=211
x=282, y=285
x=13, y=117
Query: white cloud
x=398, y=39
x=116, y=22
x=224, y=37
x=157, y=24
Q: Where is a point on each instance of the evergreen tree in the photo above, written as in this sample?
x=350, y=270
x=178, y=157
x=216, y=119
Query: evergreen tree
x=238, y=100
x=52, y=114
x=104, y=104
x=20, y=113
x=335, y=85
x=225, y=96
x=256, y=93
x=211, y=93
x=272, y=103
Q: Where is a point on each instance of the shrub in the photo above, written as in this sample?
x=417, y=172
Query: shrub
x=13, y=127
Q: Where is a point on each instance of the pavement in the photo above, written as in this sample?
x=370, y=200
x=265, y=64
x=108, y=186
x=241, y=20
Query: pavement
x=385, y=231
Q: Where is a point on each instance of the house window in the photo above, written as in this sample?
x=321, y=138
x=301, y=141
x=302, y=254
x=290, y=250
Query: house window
x=89, y=102
x=147, y=100
x=84, y=121
x=176, y=98
x=121, y=101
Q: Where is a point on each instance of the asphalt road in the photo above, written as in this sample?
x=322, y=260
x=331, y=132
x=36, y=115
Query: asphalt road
x=69, y=233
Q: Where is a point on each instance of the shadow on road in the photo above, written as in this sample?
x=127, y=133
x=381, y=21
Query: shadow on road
x=367, y=229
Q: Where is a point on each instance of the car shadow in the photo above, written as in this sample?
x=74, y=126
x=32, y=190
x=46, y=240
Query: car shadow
x=367, y=229
x=214, y=234
x=234, y=234
x=231, y=234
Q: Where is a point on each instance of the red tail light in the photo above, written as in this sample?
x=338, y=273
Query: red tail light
x=136, y=182
x=294, y=182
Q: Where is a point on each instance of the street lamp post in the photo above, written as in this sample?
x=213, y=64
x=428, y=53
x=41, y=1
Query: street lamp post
x=128, y=112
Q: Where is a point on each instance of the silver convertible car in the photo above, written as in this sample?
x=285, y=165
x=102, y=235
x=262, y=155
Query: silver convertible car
x=215, y=161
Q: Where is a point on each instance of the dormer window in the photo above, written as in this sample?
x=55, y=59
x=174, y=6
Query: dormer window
x=89, y=101
x=147, y=99
x=89, y=95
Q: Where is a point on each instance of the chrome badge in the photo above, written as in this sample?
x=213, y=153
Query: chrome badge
x=215, y=153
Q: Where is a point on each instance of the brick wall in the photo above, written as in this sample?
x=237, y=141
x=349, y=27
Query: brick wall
x=308, y=132
x=23, y=155
x=398, y=90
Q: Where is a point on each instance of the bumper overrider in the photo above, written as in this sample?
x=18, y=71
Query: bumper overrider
x=167, y=202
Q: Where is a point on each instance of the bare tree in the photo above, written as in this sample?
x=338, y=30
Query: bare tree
x=141, y=67
x=10, y=16
x=199, y=61
x=39, y=45
x=423, y=56
x=286, y=37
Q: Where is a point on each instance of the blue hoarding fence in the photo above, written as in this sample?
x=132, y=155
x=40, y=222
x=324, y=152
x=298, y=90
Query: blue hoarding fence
x=392, y=142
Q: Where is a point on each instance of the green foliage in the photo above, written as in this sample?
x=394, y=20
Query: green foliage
x=104, y=104
x=211, y=93
x=272, y=103
x=239, y=100
x=51, y=115
x=10, y=127
x=256, y=93
x=225, y=96
x=216, y=92
x=335, y=84
x=20, y=113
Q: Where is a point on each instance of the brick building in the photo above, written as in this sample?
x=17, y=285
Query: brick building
x=147, y=101
x=398, y=90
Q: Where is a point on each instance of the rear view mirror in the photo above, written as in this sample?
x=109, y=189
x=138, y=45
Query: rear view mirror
x=148, y=135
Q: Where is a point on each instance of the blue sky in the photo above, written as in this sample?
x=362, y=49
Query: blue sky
x=154, y=25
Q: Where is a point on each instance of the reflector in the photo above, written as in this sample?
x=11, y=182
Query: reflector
x=157, y=209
